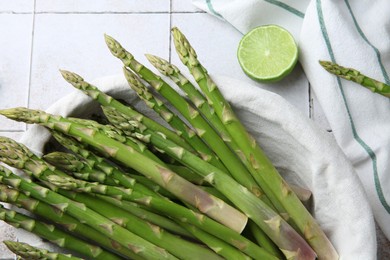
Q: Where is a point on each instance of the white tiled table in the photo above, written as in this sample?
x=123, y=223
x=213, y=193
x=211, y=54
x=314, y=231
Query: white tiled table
x=41, y=36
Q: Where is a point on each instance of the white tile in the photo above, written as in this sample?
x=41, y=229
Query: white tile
x=75, y=42
x=216, y=44
x=16, y=6
x=102, y=6
x=184, y=6
x=15, y=53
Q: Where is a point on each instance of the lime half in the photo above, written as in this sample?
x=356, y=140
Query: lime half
x=267, y=53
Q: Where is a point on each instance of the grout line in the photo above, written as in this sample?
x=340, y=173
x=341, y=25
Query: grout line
x=31, y=59
x=117, y=12
x=311, y=106
x=12, y=131
x=14, y=12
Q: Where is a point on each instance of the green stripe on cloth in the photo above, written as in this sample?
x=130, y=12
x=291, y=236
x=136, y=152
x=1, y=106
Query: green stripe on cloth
x=378, y=55
x=286, y=7
x=212, y=10
x=356, y=136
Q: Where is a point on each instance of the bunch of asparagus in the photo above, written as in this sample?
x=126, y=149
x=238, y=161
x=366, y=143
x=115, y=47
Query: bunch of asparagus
x=136, y=189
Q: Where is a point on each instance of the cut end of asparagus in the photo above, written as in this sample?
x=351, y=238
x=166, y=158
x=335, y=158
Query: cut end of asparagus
x=116, y=49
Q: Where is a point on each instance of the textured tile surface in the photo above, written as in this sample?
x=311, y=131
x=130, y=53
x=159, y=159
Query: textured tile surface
x=102, y=6
x=15, y=53
x=16, y=6
x=75, y=42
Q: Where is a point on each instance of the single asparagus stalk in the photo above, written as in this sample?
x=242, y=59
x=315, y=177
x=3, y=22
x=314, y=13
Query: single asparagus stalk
x=187, y=133
x=177, y=212
x=356, y=76
x=186, y=191
x=27, y=251
x=69, y=223
x=177, y=246
x=143, y=213
x=54, y=235
x=202, y=127
x=106, y=100
x=85, y=215
x=260, y=166
x=197, y=98
x=188, y=174
x=287, y=239
x=263, y=240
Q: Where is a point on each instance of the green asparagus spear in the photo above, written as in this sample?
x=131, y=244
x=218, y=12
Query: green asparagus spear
x=54, y=235
x=187, y=133
x=263, y=240
x=175, y=245
x=118, y=136
x=175, y=211
x=222, y=248
x=106, y=100
x=260, y=166
x=69, y=223
x=356, y=76
x=287, y=239
x=144, y=213
x=201, y=103
x=97, y=163
x=81, y=170
x=194, y=95
x=27, y=251
x=201, y=126
x=163, y=176
x=85, y=215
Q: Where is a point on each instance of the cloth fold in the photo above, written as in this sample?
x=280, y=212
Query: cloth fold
x=354, y=34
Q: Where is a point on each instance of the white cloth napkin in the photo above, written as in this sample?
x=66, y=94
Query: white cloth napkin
x=353, y=34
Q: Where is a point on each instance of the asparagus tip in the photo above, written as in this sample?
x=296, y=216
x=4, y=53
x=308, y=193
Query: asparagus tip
x=14, y=113
x=71, y=77
x=116, y=48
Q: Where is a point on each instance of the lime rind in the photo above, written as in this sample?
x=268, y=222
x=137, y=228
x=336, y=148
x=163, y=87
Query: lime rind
x=267, y=53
